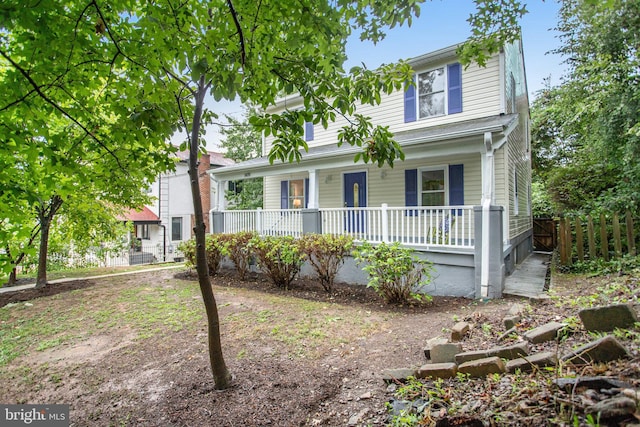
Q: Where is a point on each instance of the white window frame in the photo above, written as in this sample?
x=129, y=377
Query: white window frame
x=445, y=70
x=291, y=198
x=445, y=170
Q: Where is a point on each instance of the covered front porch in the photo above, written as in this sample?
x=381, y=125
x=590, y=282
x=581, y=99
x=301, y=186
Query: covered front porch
x=440, y=201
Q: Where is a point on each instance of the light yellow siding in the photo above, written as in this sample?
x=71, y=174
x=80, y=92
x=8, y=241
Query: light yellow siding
x=384, y=185
x=480, y=98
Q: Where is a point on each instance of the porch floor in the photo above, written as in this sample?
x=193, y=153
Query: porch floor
x=528, y=279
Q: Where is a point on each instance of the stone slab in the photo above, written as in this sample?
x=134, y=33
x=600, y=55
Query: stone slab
x=602, y=350
x=398, y=374
x=526, y=364
x=508, y=352
x=437, y=370
x=608, y=318
x=544, y=333
x=444, y=353
x=482, y=367
x=432, y=342
x=459, y=330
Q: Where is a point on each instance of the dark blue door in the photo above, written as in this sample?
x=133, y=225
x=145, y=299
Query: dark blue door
x=355, y=196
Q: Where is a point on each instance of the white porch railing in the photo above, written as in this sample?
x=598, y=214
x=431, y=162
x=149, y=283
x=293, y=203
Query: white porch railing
x=410, y=225
x=265, y=222
x=445, y=226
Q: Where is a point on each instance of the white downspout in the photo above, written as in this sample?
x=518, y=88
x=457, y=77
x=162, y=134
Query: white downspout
x=487, y=197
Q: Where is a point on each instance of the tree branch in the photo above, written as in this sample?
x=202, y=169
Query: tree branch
x=240, y=34
x=48, y=100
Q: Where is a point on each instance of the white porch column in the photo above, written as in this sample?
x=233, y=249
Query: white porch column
x=385, y=222
x=222, y=201
x=314, y=190
x=488, y=165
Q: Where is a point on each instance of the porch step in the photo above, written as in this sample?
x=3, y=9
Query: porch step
x=529, y=278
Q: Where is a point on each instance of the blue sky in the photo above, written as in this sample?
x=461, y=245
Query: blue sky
x=444, y=23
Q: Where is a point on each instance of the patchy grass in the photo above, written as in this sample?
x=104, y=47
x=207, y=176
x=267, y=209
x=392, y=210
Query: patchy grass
x=80, y=273
x=304, y=328
x=46, y=323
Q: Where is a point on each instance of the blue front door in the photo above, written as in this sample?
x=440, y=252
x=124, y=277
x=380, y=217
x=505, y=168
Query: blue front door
x=355, y=196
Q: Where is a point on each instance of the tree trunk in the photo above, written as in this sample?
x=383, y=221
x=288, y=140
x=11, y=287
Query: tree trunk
x=221, y=375
x=13, y=277
x=45, y=217
x=41, y=279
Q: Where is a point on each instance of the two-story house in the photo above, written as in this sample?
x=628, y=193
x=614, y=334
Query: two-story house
x=160, y=227
x=461, y=196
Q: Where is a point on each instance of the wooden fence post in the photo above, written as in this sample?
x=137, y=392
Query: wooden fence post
x=579, y=239
x=617, y=241
x=591, y=237
x=568, y=246
x=631, y=238
x=604, y=240
x=562, y=242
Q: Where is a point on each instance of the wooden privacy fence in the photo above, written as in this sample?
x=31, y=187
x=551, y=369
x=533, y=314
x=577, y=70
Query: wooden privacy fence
x=604, y=236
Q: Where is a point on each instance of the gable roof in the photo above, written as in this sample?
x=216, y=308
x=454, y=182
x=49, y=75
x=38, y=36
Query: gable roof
x=140, y=216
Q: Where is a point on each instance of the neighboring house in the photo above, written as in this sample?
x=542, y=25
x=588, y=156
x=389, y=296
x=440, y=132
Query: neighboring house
x=162, y=225
x=461, y=196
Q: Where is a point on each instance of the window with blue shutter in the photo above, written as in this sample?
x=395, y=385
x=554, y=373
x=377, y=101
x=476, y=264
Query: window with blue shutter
x=308, y=131
x=292, y=194
x=306, y=192
x=456, y=186
x=411, y=190
x=455, y=88
x=410, y=103
x=284, y=194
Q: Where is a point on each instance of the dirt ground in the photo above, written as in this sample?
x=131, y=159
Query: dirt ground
x=114, y=377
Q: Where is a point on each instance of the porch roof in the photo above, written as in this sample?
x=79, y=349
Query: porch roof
x=140, y=216
x=414, y=143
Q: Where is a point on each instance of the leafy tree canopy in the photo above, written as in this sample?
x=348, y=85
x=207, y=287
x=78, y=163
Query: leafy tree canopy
x=586, y=130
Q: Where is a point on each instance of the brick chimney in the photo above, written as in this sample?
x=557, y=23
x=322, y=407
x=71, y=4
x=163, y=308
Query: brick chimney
x=204, y=181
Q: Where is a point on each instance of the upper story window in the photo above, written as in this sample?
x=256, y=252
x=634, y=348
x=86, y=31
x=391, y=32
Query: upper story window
x=308, y=131
x=431, y=93
x=435, y=92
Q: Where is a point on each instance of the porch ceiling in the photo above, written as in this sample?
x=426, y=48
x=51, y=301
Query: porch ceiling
x=415, y=144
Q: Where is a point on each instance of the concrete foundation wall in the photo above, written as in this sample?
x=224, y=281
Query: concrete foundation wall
x=518, y=250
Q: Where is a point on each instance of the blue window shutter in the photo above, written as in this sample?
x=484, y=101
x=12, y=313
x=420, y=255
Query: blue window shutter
x=455, y=88
x=308, y=131
x=284, y=194
x=410, y=102
x=411, y=189
x=456, y=185
x=306, y=192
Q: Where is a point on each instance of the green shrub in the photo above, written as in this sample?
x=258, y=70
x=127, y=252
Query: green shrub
x=278, y=257
x=326, y=254
x=394, y=272
x=239, y=250
x=216, y=249
x=188, y=249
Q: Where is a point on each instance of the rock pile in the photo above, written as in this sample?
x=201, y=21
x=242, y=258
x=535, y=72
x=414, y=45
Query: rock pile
x=607, y=397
